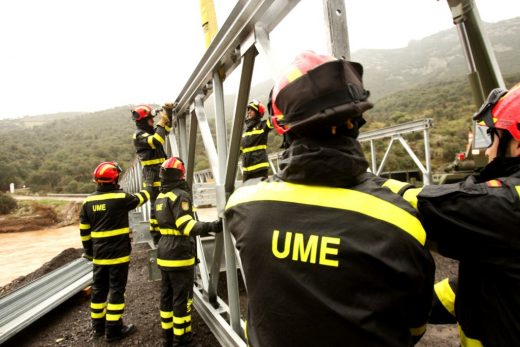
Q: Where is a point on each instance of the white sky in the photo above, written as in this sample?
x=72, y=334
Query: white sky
x=78, y=55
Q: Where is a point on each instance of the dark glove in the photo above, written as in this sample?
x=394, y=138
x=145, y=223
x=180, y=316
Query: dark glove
x=86, y=256
x=216, y=226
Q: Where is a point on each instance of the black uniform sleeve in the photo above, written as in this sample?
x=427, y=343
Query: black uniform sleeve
x=443, y=306
x=470, y=220
x=84, y=230
x=137, y=199
x=185, y=221
x=146, y=140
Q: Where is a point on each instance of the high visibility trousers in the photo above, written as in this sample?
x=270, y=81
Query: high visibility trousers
x=108, y=280
x=176, y=303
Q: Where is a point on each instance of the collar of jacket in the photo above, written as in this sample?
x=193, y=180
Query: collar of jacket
x=145, y=127
x=252, y=122
x=107, y=187
x=337, y=162
x=168, y=186
x=500, y=167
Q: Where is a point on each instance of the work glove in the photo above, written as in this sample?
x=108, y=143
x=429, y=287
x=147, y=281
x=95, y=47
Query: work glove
x=165, y=121
x=216, y=226
x=86, y=256
x=168, y=109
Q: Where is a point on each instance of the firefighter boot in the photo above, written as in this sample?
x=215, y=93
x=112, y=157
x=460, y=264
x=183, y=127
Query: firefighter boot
x=98, y=328
x=119, y=332
x=168, y=338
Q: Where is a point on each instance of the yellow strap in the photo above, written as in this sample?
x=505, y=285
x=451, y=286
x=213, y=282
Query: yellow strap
x=108, y=196
x=166, y=231
x=182, y=219
x=166, y=314
x=152, y=162
x=410, y=195
x=257, y=166
x=188, y=227
x=109, y=233
x=112, y=261
x=113, y=317
x=176, y=263
x=518, y=190
x=253, y=132
x=395, y=185
x=182, y=320
x=97, y=315
x=166, y=325
x=158, y=138
x=85, y=238
x=181, y=331
x=252, y=149
x=150, y=141
x=339, y=198
x=84, y=226
x=98, y=306
x=446, y=295
x=116, y=307
x=466, y=341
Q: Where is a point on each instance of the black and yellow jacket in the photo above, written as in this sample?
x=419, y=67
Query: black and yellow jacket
x=477, y=222
x=148, y=143
x=104, y=226
x=330, y=257
x=254, y=145
x=177, y=249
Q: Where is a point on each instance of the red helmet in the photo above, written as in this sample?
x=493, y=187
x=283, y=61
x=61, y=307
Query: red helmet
x=174, y=165
x=257, y=106
x=142, y=112
x=504, y=112
x=107, y=172
x=317, y=90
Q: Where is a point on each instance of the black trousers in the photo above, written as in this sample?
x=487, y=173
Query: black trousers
x=259, y=173
x=176, y=305
x=109, y=283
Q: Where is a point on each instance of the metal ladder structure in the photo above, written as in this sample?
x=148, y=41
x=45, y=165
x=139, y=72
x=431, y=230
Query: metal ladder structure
x=244, y=35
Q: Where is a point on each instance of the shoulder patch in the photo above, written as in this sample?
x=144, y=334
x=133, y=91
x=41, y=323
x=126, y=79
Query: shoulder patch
x=185, y=205
x=494, y=183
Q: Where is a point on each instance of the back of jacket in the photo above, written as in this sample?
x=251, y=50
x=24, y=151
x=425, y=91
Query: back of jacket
x=149, y=143
x=104, y=224
x=254, y=145
x=478, y=223
x=330, y=266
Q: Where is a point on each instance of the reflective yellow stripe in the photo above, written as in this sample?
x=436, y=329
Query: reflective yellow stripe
x=98, y=306
x=175, y=263
x=109, y=233
x=141, y=199
x=182, y=320
x=338, y=198
x=113, y=317
x=108, y=196
x=168, y=195
x=257, y=166
x=166, y=314
x=156, y=184
x=395, y=185
x=150, y=142
x=466, y=341
x=181, y=331
x=188, y=227
x=146, y=193
x=446, y=295
x=167, y=128
x=158, y=138
x=253, y=132
x=96, y=315
x=152, y=162
x=418, y=331
x=293, y=74
x=518, y=190
x=268, y=122
x=182, y=219
x=252, y=149
x=84, y=226
x=85, y=238
x=112, y=261
x=165, y=231
x=411, y=196
x=115, y=307
x=166, y=325
x=153, y=221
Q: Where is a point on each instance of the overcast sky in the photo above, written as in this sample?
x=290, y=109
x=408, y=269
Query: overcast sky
x=77, y=55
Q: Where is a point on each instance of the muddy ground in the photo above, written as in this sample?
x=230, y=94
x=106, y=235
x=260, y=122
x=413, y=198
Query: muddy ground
x=68, y=325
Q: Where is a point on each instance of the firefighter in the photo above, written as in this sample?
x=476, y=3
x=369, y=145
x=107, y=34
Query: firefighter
x=104, y=230
x=254, y=142
x=339, y=260
x=477, y=222
x=176, y=252
x=148, y=143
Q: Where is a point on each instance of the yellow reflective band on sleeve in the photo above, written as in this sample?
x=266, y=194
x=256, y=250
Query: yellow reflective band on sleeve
x=96, y=315
x=466, y=341
x=252, y=149
x=182, y=320
x=446, y=295
x=167, y=325
x=156, y=184
x=175, y=263
x=158, y=138
x=166, y=314
x=150, y=142
x=181, y=331
x=410, y=195
x=141, y=199
x=109, y=233
x=84, y=226
x=145, y=192
x=253, y=132
x=115, y=307
x=418, y=331
x=152, y=162
x=113, y=317
x=268, y=123
x=339, y=198
x=114, y=261
x=167, y=128
x=182, y=219
x=85, y=238
x=109, y=196
x=171, y=196
x=166, y=231
x=257, y=166
x=395, y=185
x=188, y=227
x=518, y=190
x=98, y=306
